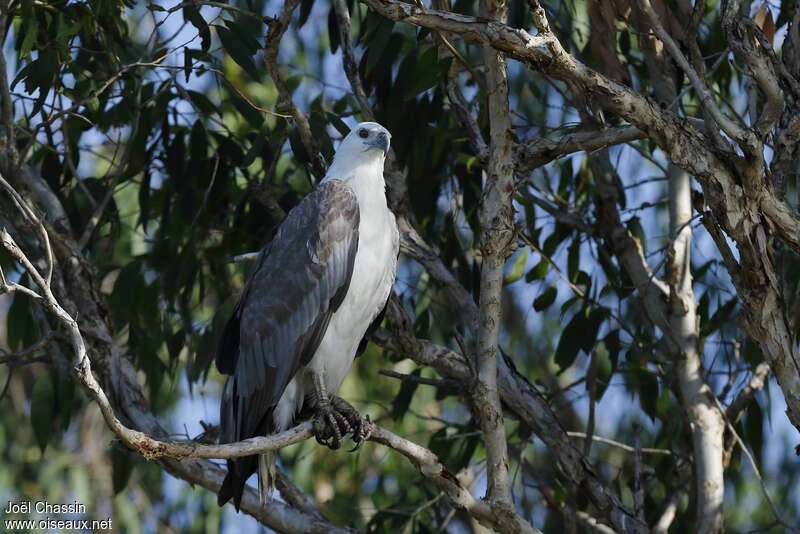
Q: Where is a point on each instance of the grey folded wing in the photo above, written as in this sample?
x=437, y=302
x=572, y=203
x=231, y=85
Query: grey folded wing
x=299, y=281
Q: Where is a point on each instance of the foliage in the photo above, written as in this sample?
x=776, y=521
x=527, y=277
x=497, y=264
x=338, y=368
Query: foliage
x=168, y=143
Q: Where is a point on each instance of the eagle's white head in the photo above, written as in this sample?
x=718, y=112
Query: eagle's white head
x=367, y=139
x=360, y=157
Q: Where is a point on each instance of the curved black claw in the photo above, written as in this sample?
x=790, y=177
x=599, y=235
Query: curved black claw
x=361, y=426
x=330, y=426
x=362, y=433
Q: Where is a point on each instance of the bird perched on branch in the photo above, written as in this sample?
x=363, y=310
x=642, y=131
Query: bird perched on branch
x=314, y=292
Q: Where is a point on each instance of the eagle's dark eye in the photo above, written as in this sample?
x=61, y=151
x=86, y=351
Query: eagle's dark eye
x=363, y=134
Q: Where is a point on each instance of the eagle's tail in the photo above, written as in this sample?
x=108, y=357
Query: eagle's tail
x=239, y=470
x=266, y=476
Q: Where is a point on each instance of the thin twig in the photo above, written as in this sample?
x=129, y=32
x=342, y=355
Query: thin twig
x=438, y=382
x=620, y=445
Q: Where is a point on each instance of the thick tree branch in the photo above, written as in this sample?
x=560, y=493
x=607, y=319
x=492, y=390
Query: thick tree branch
x=749, y=45
x=473, y=30
x=534, y=153
x=629, y=252
x=736, y=131
x=497, y=238
x=706, y=422
x=737, y=408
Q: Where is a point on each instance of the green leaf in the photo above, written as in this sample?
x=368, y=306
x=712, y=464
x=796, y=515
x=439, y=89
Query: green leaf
x=573, y=258
x=603, y=369
x=338, y=123
x=547, y=298
x=571, y=340
x=202, y=103
x=121, y=469
x=42, y=408
x=589, y=336
x=144, y=201
x=129, y=282
x=305, y=11
x=539, y=271
x=426, y=74
x=20, y=327
x=634, y=224
x=754, y=429
x=719, y=318
x=31, y=34
x=65, y=394
x=519, y=267
x=454, y=453
x=403, y=399
x=38, y=76
x=256, y=149
x=237, y=49
x=612, y=344
x=187, y=63
x=192, y=14
x=298, y=149
x=333, y=30
x=648, y=392
x=251, y=115
x=752, y=352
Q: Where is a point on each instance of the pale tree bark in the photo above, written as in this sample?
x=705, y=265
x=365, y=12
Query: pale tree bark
x=705, y=421
x=497, y=238
x=670, y=305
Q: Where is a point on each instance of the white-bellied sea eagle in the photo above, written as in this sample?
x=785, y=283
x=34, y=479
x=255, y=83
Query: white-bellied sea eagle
x=303, y=314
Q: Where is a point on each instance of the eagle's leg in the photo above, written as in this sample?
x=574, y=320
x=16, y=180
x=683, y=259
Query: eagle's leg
x=329, y=424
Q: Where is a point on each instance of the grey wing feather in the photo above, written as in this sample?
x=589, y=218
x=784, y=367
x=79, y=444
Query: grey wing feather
x=299, y=281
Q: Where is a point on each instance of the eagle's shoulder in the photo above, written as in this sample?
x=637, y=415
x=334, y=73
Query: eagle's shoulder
x=335, y=194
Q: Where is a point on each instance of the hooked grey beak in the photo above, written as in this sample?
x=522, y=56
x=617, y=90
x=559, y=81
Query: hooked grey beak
x=381, y=142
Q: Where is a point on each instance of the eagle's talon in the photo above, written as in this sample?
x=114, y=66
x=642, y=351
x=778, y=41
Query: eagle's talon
x=361, y=426
x=330, y=426
x=337, y=418
x=362, y=433
x=364, y=429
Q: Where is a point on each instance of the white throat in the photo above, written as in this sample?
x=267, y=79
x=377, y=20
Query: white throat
x=363, y=172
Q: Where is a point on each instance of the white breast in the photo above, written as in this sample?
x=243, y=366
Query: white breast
x=373, y=277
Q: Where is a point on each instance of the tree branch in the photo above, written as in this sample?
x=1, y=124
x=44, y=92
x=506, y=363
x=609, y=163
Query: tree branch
x=277, y=29
x=534, y=153
x=349, y=58
x=705, y=420
x=497, y=239
x=736, y=131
